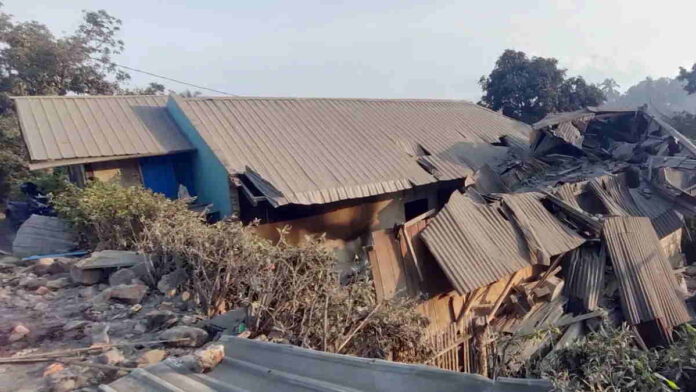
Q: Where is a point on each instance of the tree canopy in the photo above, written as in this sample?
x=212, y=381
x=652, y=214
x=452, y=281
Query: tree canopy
x=689, y=77
x=35, y=62
x=528, y=89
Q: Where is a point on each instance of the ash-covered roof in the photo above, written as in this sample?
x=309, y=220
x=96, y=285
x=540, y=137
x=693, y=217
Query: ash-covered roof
x=321, y=150
x=67, y=130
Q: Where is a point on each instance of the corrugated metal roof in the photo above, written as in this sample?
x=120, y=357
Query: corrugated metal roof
x=474, y=244
x=255, y=366
x=584, y=275
x=80, y=129
x=648, y=287
x=320, y=150
x=540, y=226
x=620, y=200
x=564, y=117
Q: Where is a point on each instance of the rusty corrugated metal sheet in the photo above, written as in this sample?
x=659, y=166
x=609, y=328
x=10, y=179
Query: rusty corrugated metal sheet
x=540, y=227
x=313, y=151
x=474, y=244
x=584, y=276
x=649, y=293
x=69, y=130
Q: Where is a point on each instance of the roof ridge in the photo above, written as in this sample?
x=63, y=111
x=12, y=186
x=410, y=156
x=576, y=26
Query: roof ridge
x=84, y=96
x=241, y=98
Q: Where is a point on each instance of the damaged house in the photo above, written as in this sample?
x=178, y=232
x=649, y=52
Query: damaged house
x=501, y=229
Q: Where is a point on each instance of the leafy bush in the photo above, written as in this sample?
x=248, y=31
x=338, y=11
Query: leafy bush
x=610, y=360
x=109, y=216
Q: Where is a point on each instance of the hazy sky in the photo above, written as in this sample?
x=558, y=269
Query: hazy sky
x=381, y=48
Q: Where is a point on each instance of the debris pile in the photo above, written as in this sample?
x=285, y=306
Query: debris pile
x=596, y=211
x=69, y=323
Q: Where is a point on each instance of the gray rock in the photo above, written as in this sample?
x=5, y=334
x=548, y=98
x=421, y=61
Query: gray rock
x=43, y=265
x=18, y=333
x=89, y=292
x=122, y=276
x=171, y=281
x=196, y=336
x=32, y=283
x=61, y=265
x=100, y=334
x=111, y=357
x=85, y=277
x=58, y=284
x=128, y=293
x=75, y=324
x=160, y=319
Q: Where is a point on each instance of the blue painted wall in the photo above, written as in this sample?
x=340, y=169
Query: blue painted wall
x=158, y=175
x=210, y=176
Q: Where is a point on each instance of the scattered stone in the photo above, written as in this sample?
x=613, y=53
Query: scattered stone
x=58, y=284
x=53, y=368
x=32, y=283
x=160, y=319
x=209, y=356
x=122, y=276
x=171, y=281
x=140, y=327
x=18, y=333
x=89, y=292
x=43, y=265
x=74, y=324
x=85, y=277
x=100, y=334
x=62, y=381
x=151, y=357
x=42, y=290
x=135, y=308
x=188, y=319
x=111, y=357
x=196, y=336
x=142, y=272
x=40, y=306
x=60, y=266
x=129, y=293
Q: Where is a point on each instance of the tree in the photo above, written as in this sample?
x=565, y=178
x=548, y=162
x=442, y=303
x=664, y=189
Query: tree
x=528, y=89
x=35, y=62
x=685, y=123
x=610, y=89
x=689, y=77
x=151, y=89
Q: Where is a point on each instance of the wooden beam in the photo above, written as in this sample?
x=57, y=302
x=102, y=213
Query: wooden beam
x=412, y=252
x=502, y=296
x=466, y=306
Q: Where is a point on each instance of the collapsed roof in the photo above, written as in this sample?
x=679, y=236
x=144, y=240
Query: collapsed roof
x=320, y=150
x=596, y=189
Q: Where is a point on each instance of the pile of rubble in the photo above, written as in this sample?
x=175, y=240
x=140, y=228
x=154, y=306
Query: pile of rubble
x=70, y=323
x=598, y=205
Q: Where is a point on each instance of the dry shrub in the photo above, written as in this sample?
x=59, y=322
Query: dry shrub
x=610, y=360
x=109, y=216
x=292, y=291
